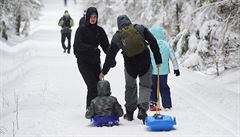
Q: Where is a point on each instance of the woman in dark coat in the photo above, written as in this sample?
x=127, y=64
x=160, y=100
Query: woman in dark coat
x=86, y=42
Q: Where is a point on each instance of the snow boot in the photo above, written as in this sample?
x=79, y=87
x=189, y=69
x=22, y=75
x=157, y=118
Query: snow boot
x=129, y=115
x=68, y=49
x=142, y=114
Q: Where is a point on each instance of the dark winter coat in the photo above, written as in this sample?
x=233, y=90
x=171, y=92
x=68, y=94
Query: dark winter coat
x=87, y=40
x=136, y=65
x=82, y=21
x=104, y=104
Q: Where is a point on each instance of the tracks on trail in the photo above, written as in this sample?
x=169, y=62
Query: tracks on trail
x=204, y=107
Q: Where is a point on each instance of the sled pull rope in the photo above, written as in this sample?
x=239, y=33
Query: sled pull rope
x=158, y=92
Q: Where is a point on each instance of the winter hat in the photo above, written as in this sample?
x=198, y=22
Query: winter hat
x=84, y=12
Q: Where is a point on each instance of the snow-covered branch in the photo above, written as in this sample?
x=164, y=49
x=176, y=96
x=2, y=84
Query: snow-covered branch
x=15, y=14
x=210, y=5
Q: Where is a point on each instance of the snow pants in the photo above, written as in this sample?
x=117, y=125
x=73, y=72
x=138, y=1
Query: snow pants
x=90, y=74
x=164, y=91
x=133, y=100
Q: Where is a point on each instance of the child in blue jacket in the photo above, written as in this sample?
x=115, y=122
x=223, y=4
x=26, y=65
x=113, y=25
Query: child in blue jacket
x=167, y=53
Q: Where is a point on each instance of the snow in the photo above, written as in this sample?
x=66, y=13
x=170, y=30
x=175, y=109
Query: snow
x=42, y=93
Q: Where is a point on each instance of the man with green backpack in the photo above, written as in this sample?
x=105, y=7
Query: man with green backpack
x=132, y=39
x=66, y=22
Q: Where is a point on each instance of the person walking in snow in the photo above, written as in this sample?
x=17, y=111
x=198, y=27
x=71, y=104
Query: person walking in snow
x=137, y=64
x=86, y=42
x=66, y=22
x=104, y=104
x=82, y=20
x=167, y=53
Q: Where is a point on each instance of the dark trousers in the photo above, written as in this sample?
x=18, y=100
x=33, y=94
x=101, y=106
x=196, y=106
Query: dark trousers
x=90, y=74
x=134, y=98
x=164, y=90
x=63, y=38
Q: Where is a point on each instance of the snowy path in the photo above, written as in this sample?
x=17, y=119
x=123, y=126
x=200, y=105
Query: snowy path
x=204, y=111
x=51, y=93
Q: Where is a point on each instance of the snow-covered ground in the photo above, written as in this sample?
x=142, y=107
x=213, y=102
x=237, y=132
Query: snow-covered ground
x=42, y=92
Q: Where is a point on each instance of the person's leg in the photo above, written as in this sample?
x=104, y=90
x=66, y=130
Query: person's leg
x=88, y=73
x=165, y=92
x=130, y=96
x=69, y=42
x=154, y=89
x=63, y=37
x=153, y=97
x=145, y=84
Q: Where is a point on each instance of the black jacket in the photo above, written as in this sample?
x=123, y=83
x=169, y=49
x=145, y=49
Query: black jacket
x=88, y=38
x=82, y=21
x=139, y=64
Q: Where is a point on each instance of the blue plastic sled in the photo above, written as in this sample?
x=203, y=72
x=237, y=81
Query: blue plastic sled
x=160, y=122
x=100, y=121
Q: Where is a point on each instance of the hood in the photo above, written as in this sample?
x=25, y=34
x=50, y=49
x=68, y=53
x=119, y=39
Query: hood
x=123, y=21
x=66, y=13
x=90, y=11
x=103, y=88
x=157, y=32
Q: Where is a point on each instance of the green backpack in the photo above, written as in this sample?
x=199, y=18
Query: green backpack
x=133, y=42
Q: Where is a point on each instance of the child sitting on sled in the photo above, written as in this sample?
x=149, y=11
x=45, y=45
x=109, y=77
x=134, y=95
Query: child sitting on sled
x=104, y=110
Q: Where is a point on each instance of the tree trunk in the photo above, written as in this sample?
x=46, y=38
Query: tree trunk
x=4, y=31
x=217, y=68
x=177, y=18
x=18, y=24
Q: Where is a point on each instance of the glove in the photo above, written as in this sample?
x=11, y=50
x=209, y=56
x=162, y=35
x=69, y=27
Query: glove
x=113, y=64
x=177, y=72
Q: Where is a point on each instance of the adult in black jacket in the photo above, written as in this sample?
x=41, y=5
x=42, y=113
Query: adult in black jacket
x=136, y=66
x=87, y=40
x=82, y=20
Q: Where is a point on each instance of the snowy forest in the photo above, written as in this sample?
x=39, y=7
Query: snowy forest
x=205, y=34
x=16, y=16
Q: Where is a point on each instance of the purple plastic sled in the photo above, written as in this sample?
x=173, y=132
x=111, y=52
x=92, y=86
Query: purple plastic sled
x=100, y=121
